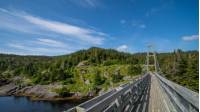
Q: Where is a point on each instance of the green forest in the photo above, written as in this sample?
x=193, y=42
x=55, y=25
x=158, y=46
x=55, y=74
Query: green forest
x=97, y=68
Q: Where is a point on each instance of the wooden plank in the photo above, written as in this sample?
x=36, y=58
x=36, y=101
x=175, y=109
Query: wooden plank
x=159, y=101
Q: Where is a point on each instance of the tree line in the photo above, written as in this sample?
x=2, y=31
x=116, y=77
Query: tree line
x=178, y=66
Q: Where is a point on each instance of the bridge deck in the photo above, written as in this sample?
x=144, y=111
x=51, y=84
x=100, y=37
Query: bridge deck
x=150, y=93
x=158, y=100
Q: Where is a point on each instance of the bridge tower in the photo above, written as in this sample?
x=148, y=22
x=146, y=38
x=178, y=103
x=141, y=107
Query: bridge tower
x=151, y=56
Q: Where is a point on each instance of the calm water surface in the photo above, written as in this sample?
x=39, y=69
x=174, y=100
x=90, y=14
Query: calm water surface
x=24, y=104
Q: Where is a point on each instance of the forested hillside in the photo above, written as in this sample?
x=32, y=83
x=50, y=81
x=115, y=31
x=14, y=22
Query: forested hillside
x=95, y=68
x=181, y=67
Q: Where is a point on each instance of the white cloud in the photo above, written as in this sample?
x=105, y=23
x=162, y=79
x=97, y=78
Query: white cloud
x=36, y=50
x=165, y=4
x=50, y=42
x=83, y=34
x=142, y=26
x=190, y=38
x=138, y=24
x=4, y=10
x=152, y=11
x=26, y=48
x=18, y=46
x=74, y=37
x=91, y=2
x=13, y=52
x=87, y=3
x=122, y=21
x=122, y=48
x=39, y=26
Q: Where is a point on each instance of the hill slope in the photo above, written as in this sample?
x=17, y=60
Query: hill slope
x=95, y=69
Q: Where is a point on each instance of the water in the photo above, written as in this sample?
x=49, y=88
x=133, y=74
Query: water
x=24, y=104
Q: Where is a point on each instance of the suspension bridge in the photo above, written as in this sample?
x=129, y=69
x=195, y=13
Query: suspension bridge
x=149, y=93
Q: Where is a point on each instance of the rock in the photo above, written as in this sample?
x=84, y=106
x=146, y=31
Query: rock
x=17, y=78
x=78, y=94
x=91, y=93
x=87, y=82
x=8, y=89
x=3, y=82
x=23, y=90
x=51, y=95
x=83, y=63
x=83, y=71
x=127, y=78
x=37, y=91
x=40, y=91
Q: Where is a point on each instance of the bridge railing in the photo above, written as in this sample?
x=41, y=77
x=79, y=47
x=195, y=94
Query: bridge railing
x=121, y=99
x=182, y=98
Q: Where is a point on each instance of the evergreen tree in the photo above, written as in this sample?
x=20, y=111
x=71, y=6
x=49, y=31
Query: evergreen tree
x=134, y=70
x=99, y=80
x=116, y=77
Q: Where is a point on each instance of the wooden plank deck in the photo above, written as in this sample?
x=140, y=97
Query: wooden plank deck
x=158, y=99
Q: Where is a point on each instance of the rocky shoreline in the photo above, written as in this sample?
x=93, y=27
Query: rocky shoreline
x=38, y=92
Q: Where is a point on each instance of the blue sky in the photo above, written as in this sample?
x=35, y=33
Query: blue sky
x=56, y=27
